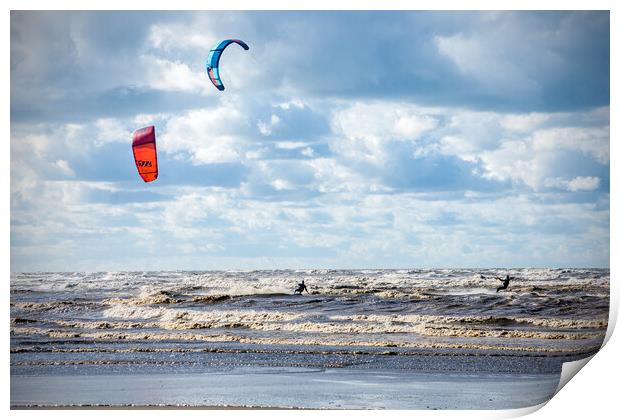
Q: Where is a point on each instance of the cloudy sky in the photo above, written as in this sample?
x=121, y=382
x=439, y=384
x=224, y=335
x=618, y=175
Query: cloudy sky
x=343, y=139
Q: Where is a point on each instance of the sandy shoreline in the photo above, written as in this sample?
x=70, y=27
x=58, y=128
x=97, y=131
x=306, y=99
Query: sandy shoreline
x=267, y=387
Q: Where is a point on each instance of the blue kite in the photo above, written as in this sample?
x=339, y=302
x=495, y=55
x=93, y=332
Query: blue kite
x=213, y=61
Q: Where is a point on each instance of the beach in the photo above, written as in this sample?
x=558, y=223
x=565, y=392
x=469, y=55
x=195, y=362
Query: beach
x=363, y=339
x=253, y=387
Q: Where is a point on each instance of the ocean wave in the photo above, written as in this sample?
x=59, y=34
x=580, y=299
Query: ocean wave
x=323, y=340
x=307, y=327
x=55, y=305
x=134, y=316
x=253, y=316
x=448, y=308
x=213, y=316
x=242, y=283
x=159, y=297
x=488, y=320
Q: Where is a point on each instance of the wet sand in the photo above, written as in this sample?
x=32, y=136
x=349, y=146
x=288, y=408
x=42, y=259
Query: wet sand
x=269, y=387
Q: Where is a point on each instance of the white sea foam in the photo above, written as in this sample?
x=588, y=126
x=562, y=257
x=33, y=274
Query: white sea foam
x=263, y=282
x=449, y=308
x=322, y=340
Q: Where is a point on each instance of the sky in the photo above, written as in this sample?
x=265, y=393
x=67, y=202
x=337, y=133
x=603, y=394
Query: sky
x=342, y=140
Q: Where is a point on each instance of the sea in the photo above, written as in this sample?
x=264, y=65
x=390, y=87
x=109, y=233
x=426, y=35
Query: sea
x=408, y=338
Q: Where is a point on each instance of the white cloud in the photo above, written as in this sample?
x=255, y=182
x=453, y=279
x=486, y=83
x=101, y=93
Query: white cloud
x=332, y=176
x=505, y=54
x=284, y=174
x=167, y=75
x=527, y=148
x=38, y=151
x=580, y=183
x=523, y=148
x=366, y=128
x=486, y=61
x=112, y=130
x=584, y=183
x=266, y=128
x=64, y=168
x=524, y=123
x=180, y=36
x=182, y=216
x=290, y=145
x=281, y=184
x=293, y=103
x=382, y=121
x=593, y=142
x=534, y=159
x=143, y=120
x=470, y=132
x=457, y=146
x=514, y=160
x=209, y=135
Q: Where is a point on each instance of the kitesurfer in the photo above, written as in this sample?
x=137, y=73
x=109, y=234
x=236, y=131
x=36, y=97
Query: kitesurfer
x=506, y=281
x=300, y=288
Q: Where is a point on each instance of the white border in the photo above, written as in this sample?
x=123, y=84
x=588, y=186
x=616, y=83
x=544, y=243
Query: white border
x=592, y=394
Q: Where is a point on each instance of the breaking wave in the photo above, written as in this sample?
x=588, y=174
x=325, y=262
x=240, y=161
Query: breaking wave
x=543, y=311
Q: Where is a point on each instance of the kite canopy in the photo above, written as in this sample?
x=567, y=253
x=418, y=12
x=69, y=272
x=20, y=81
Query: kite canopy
x=145, y=153
x=213, y=61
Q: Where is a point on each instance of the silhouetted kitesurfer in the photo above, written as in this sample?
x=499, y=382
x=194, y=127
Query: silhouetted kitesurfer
x=505, y=285
x=300, y=288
